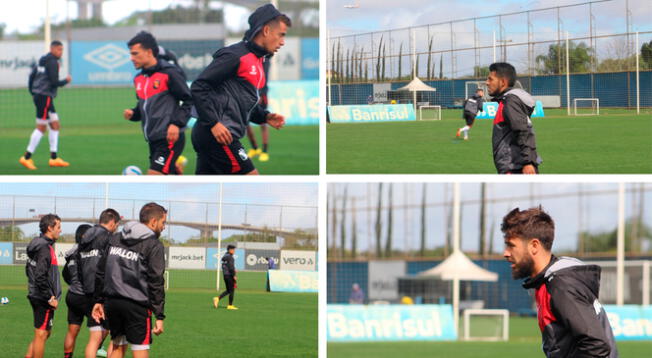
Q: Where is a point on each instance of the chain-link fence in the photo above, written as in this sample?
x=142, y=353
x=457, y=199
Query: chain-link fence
x=604, y=55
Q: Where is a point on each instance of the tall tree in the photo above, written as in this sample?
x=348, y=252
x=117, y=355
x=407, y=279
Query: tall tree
x=380, y=47
x=646, y=55
x=483, y=234
x=333, y=221
x=400, y=60
x=384, y=58
x=379, y=227
x=441, y=66
x=430, y=58
x=390, y=208
x=343, y=224
x=580, y=58
x=354, y=230
x=422, y=251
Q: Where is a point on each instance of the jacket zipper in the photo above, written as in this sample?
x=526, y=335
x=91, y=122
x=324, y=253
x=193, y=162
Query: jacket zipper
x=145, y=109
x=260, y=79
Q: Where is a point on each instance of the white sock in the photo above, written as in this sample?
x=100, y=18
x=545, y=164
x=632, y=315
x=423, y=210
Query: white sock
x=54, y=140
x=465, y=129
x=34, y=140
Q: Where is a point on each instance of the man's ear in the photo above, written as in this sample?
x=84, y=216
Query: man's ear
x=534, y=246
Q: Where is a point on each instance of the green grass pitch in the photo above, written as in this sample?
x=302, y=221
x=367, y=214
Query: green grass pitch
x=524, y=341
x=96, y=139
x=266, y=325
x=616, y=142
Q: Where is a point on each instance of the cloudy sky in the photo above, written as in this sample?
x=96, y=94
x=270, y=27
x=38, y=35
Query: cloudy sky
x=254, y=204
x=26, y=15
x=593, y=213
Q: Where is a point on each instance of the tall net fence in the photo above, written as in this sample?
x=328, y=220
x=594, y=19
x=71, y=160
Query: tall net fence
x=600, y=46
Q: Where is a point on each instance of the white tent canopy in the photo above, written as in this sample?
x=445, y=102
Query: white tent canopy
x=416, y=85
x=459, y=266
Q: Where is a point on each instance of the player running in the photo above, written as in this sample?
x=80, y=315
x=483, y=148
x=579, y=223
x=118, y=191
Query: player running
x=129, y=283
x=43, y=84
x=160, y=87
x=472, y=106
x=514, y=143
x=227, y=95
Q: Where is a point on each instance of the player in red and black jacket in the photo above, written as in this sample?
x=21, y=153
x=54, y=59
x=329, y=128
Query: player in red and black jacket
x=227, y=95
x=129, y=282
x=164, y=103
x=513, y=139
x=572, y=321
x=44, y=284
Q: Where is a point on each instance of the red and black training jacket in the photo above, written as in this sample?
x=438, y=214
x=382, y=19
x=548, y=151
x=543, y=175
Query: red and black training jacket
x=163, y=99
x=572, y=320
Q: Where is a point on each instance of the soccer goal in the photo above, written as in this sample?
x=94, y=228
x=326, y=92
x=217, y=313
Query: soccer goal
x=430, y=112
x=471, y=86
x=486, y=325
x=586, y=106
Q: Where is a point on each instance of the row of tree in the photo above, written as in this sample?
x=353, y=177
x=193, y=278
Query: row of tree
x=352, y=65
x=343, y=238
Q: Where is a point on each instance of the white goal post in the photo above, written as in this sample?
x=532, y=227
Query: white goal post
x=486, y=312
x=167, y=280
x=437, y=107
x=595, y=106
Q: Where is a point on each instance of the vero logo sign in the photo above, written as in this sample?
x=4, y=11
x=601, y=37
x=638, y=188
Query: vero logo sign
x=108, y=56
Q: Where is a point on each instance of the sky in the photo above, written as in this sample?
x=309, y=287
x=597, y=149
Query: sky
x=26, y=15
x=593, y=213
x=257, y=204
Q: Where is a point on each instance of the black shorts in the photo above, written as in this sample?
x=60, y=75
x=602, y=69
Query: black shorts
x=224, y=159
x=128, y=318
x=469, y=118
x=163, y=157
x=80, y=306
x=44, y=106
x=43, y=314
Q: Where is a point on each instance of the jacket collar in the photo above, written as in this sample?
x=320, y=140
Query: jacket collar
x=256, y=50
x=501, y=95
x=539, y=279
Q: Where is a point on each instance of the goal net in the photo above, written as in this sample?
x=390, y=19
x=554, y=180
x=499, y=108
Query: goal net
x=430, y=112
x=586, y=106
x=486, y=325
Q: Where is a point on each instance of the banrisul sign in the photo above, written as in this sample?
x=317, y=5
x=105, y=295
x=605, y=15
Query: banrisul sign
x=372, y=113
x=350, y=323
x=630, y=322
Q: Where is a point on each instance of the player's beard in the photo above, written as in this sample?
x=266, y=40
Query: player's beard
x=524, y=268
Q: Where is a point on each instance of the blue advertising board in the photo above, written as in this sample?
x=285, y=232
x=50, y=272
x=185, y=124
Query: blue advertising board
x=293, y=281
x=310, y=58
x=349, y=323
x=630, y=322
x=6, y=253
x=489, y=110
x=213, y=258
x=101, y=63
x=372, y=113
x=298, y=101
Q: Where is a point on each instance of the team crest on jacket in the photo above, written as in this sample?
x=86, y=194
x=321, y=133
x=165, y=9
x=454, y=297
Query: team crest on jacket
x=242, y=154
x=157, y=84
x=253, y=71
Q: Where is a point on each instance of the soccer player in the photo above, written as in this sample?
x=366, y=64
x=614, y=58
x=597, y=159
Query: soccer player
x=160, y=87
x=43, y=84
x=572, y=320
x=262, y=154
x=514, y=144
x=229, y=274
x=472, y=106
x=129, y=283
x=44, y=285
x=91, y=247
x=227, y=95
x=75, y=298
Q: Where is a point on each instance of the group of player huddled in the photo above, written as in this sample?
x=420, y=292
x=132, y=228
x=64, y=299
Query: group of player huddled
x=116, y=280
x=228, y=95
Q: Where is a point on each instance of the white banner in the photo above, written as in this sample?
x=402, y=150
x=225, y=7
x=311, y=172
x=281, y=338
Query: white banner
x=16, y=58
x=383, y=279
x=187, y=257
x=298, y=260
x=60, y=250
x=380, y=92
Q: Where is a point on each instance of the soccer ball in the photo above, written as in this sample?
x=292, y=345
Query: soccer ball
x=4, y=300
x=182, y=161
x=132, y=170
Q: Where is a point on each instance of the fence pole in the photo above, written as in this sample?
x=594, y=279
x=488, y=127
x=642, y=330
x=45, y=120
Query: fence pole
x=620, y=261
x=46, y=27
x=638, y=92
x=568, y=101
x=219, y=237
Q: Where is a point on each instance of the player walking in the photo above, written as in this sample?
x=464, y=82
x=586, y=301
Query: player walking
x=160, y=87
x=43, y=84
x=472, y=106
x=229, y=274
x=227, y=95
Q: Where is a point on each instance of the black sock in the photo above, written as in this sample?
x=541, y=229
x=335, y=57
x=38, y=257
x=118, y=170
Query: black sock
x=265, y=148
x=67, y=354
x=28, y=155
x=53, y=155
